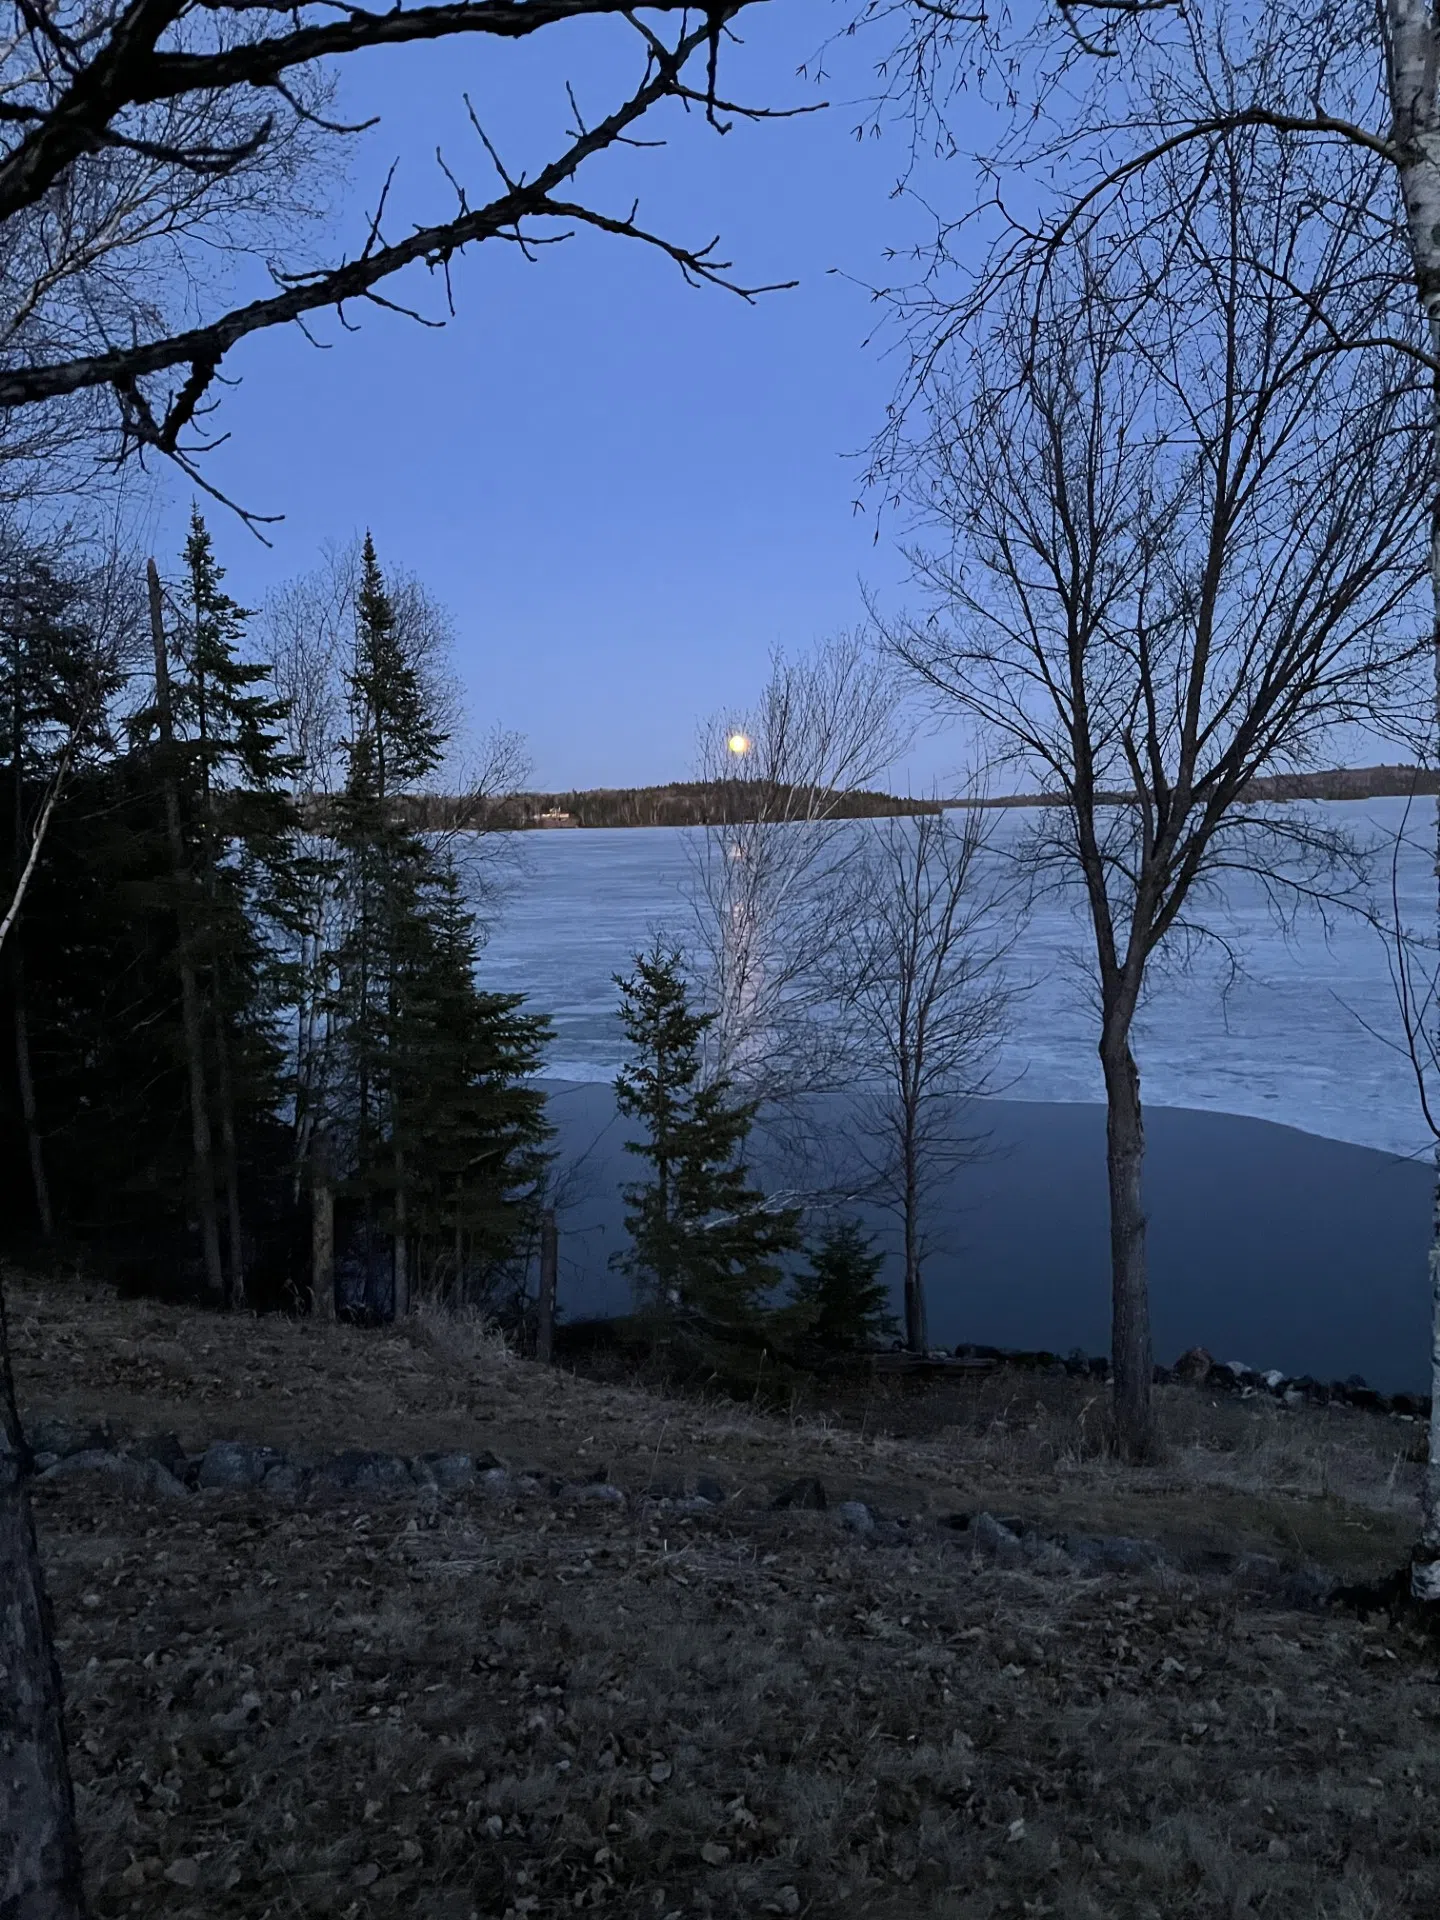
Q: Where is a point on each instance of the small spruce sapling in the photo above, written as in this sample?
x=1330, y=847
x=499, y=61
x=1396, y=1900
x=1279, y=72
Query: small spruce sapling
x=840, y=1304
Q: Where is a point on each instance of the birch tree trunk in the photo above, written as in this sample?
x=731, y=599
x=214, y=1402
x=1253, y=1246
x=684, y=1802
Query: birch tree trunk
x=1132, y=1361
x=200, y=1136
x=1413, y=50
x=39, y=1850
x=24, y=1076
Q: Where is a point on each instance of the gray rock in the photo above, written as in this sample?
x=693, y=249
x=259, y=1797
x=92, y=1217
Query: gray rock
x=286, y=1479
x=136, y=1476
x=710, y=1490
x=1274, y=1379
x=856, y=1517
x=807, y=1493
x=992, y=1536
x=235, y=1464
x=163, y=1447
x=495, y=1480
x=448, y=1471
x=358, y=1470
x=593, y=1493
x=52, y=1433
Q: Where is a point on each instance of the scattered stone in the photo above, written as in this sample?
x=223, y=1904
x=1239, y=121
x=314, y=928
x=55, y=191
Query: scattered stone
x=711, y=1490
x=286, y=1479
x=856, y=1517
x=592, y=1493
x=494, y=1480
x=165, y=1449
x=1194, y=1367
x=1274, y=1379
x=358, y=1470
x=55, y=1435
x=235, y=1463
x=136, y=1476
x=992, y=1536
x=807, y=1493
x=183, y=1873
x=447, y=1471
x=787, y=1900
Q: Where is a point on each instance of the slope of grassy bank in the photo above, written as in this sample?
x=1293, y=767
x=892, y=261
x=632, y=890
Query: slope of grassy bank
x=498, y=1704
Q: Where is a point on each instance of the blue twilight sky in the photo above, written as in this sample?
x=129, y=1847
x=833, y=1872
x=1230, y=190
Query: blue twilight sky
x=626, y=490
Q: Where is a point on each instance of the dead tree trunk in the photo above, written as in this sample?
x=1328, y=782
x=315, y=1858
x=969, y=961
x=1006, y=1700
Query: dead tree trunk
x=25, y=1081
x=236, y=1294
x=322, y=1232
x=39, y=1849
x=200, y=1136
x=1132, y=1361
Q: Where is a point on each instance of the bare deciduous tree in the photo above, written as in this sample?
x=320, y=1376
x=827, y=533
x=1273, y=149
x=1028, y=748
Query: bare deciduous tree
x=924, y=996
x=1099, y=92
x=146, y=149
x=1177, y=547
x=775, y=879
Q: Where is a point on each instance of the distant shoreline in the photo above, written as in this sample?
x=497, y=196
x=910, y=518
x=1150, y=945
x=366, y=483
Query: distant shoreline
x=719, y=803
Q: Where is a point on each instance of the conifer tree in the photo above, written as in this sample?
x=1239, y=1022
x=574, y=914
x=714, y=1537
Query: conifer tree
x=56, y=677
x=705, y=1243
x=839, y=1302
x=445, y=1139
x=248, y=866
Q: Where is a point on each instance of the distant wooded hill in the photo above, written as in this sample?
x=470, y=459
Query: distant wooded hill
x=694, y=803
x=690, y=803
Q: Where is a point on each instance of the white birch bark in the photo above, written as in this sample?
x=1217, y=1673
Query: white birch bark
x=1413, y=56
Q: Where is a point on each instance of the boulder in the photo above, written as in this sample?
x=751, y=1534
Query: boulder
x=593, y=1493
x=235, y=1464
x=447, y=1471
x=136, y=1476
x=164, y=1448
x=855, y=1517
x=358, y=1470
x=807, y=1493
x=991, y=1536
x=495, y=1480
x=286, y=1479
x=53, y=1434
x=1193, y=1367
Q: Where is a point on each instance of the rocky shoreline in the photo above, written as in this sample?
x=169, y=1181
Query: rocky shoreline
x=1197, y=1368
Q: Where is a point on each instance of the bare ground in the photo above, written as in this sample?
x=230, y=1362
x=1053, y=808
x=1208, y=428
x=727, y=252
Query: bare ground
x=461, y=1705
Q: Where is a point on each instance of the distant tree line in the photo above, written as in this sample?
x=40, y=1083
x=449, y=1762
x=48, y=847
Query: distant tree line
x=684, y=803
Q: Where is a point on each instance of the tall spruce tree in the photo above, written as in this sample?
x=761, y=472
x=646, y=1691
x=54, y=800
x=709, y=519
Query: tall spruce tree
x=244, y=831
x=445, y=1142
x=705, y=1244
x=56, y=677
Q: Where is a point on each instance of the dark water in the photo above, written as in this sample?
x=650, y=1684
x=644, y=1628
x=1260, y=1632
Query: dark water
x=1267, y=1245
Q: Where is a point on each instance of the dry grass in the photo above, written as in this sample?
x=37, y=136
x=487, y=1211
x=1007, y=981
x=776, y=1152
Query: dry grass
x=460, y=1706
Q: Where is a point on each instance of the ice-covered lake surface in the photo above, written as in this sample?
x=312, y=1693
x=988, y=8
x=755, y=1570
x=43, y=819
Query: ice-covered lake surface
x=1296, y=1024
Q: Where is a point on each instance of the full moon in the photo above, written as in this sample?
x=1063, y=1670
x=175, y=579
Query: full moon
x=739, y=743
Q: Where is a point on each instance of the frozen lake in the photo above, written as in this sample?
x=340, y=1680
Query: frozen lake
x=1267, y=1244
x=1305, y=1035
